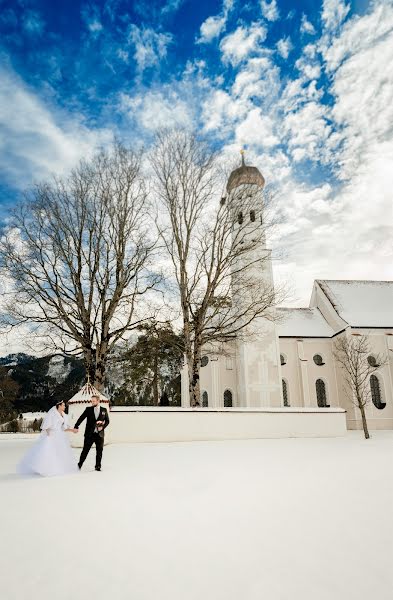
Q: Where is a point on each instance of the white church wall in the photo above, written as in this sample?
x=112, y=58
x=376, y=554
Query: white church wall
x=216, y=377
x=376, y=418
x=291, y=371
x=301, y=372
x=136, y=424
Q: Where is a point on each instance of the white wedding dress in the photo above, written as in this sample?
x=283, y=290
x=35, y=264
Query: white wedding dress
x=50, y=454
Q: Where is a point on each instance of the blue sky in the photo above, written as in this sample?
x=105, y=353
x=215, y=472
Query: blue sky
x=304, y=85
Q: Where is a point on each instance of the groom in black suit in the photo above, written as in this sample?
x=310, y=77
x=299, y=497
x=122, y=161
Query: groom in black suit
x=97, y=421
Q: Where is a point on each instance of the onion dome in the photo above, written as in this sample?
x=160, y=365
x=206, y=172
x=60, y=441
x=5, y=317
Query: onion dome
x=245, y=175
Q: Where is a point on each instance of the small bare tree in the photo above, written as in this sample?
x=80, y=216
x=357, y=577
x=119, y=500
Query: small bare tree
x=358, y=363
x=212, y=253
x=78, y=258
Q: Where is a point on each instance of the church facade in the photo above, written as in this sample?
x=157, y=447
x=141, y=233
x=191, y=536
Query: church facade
x=290, y=363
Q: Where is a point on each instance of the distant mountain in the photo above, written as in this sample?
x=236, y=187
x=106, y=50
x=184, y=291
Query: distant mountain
x=34, y=383
x=31, y=383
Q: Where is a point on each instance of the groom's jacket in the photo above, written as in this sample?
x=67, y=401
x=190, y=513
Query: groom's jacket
x=91, y=420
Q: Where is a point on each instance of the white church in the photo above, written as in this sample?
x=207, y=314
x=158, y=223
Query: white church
x=283, y=381
x=291, y=362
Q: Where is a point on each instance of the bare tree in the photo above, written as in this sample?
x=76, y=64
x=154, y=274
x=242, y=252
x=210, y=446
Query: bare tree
x=212, y=252
x=78, y=256
x=358, y=363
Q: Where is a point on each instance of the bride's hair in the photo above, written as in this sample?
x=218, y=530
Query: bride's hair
x=58, y=403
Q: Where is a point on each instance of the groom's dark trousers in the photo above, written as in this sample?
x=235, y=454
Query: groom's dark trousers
x=92, y=436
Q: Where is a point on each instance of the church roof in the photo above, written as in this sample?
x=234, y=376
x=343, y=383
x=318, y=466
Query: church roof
x=245, y=175
x=85, y=394
x=302, y=322
x=361, y=303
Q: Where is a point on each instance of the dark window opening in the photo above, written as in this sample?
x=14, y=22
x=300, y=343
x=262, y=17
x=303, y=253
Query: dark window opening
x=376, y=393
x=228, y=398
x=252, y=215
x=205, y=399
x=285, y=392
x=372, y=361
x=317, y=358
x=321, y=393
x=240, y=218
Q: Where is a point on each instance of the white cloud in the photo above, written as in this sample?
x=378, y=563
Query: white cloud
x=256, y=130
x=334, y=13
x=363, y=92
x=358, y=35
x=36, y=140
x=95, y=26
x=306, y=26
x=284, y=47
x=243, y=42
x=171, y=6
x=155, y=110
x=150, y=47
x=213, y=26
x=211, y=29
x=270, y=10
x=92, y=17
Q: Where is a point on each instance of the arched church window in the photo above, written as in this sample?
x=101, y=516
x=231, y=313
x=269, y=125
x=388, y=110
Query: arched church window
x=204, y=361
x=376, y=395
x=240, y=218
x=252, y=216
x=372, y=361
x=321, y=393
x=283, y=359
x=317, y=358
x=205, y=399
x=227, y=398
x=285, y=394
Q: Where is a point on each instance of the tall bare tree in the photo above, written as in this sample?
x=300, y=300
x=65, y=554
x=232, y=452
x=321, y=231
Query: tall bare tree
x=78, y=258
x=209, y=249
x=358, y=363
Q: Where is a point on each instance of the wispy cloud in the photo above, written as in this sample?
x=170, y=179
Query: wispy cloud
x=33, y=23
x=150, y=47
x=243, y=42
x=306, y=26
x=213, y=26
x=35, y=140
x=270, y=10
x=284, y=47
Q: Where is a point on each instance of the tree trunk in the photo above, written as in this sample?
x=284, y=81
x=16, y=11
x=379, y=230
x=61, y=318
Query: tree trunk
x=89, y=364
x=156, y=398
x=100, y=369
x=364, y=421
x=194, y=385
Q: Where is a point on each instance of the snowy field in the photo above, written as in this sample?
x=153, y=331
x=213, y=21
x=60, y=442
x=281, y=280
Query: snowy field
x=294, y=519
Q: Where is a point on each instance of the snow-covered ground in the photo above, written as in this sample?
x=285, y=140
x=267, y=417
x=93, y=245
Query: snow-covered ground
x=30, y=416
x=293, y=519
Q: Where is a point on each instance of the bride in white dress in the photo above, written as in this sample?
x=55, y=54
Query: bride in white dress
x=51, y=454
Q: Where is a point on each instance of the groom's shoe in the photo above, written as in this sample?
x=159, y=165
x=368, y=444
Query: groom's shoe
x=79, y=466
x=98, y=468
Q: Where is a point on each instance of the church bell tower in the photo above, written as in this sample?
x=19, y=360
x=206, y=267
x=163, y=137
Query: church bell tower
x=257, y=350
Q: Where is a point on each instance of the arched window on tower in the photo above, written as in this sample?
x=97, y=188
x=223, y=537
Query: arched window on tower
x=376, y=395
x=252, y=216
x=285, y=394
x=205, y=399
x=240, y=218
x=227, y=398
x=321, y=393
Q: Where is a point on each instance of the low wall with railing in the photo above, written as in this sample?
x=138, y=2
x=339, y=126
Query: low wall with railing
x=146, y=424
